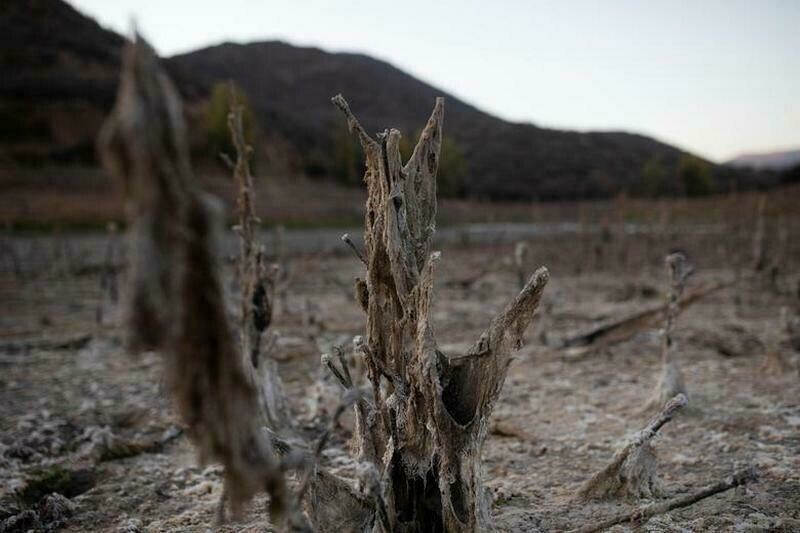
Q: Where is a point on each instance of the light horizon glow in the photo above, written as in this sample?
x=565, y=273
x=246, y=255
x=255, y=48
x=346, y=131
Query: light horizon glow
x=717, y=78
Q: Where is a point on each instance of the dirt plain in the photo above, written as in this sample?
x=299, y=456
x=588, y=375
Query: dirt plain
x=67, y=388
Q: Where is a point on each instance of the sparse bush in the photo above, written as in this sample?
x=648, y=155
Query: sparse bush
x=695, y=175
x=654, y=178
x=216, y=118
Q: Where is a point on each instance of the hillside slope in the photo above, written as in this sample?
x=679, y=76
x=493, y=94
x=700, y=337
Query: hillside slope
x=781, y=160
x=59, y=69
x=290, y=88
x=58, y=78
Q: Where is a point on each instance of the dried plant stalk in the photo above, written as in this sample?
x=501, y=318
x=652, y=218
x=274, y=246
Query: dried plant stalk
x=257, y=284
x=632, y=471
x=176, y=302
x=670, y=382
x=430, y=417
x=256, y=311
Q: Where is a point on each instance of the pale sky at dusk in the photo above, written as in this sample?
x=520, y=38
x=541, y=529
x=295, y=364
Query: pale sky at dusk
x=714, y=77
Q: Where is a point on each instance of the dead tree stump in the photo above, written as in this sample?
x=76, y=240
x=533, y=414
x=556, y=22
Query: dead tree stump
x=426, y=428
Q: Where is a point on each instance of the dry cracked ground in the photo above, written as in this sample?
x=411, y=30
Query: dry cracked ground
x=84, y=421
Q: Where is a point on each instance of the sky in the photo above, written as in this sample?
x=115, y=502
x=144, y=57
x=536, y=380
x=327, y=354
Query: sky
x=718, y=78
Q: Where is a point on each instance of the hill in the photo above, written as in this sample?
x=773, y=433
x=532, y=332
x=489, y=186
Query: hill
x=780, y=160
x=58, y=77
x=59, y=69
x=290, y=87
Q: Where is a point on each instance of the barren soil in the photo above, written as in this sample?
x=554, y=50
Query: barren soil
x=67, y=389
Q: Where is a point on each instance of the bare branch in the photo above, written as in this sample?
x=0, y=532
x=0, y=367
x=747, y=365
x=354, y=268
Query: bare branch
x=641, y=515
x=349, y=242
x=367, y=142
x=350, y=397
x=506, y=330
x=625, y=328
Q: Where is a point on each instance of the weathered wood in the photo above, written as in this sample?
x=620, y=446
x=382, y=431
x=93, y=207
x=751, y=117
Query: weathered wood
x=620, y=330
x=670, y=381
x=430, y=417
x=176, y=301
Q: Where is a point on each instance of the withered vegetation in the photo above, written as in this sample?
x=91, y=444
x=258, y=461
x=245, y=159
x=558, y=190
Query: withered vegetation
x=429, y=417
x=175, y=299
x=670, y=382
x=257, y=284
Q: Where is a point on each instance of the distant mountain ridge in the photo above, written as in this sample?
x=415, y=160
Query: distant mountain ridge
x=59, y=69
x=290, y=87
x=778, y=160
